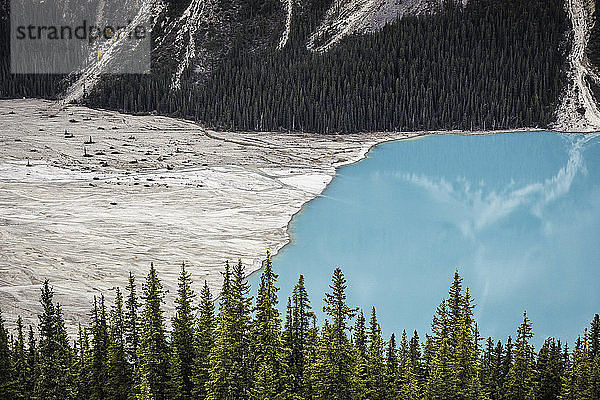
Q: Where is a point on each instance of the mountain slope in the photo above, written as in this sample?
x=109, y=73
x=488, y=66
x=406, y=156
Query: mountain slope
x=346, y=17
x=348, y=65
x=578, y=110
x=484, y=65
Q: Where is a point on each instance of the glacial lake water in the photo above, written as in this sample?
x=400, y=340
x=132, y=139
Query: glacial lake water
x=518, y=214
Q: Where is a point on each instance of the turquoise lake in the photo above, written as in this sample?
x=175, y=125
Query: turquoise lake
x=518, y=214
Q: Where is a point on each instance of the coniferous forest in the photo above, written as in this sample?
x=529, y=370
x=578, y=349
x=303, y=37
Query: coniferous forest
x=246, y=350
x=492, y=64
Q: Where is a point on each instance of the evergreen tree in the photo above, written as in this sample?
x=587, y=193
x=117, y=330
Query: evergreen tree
x=441, y=380
x=333, y=369
x=119, y=372
x=391, y=368
x=55, y=358
x=376, y=387
x=6, y=372
x=312, y=346
x=204, y=342
x=99, y=351
x=575, y=382
x=32, y=364
x=287, y=344
x=152, y=348
x=19, y=362
x=593, y=391
x=361, y=372
x=550, y=369
x=415, y=356
x=466, y=349
x=595, y=337
x=84, y=371
x=220, y=357
x=182, y=340
x=521, y=376
x=456, y=312
x=267, y=349
x=230, y=373
x=491, y=369
x=131, y=328
x=233, y=358
x=297, y=332
x=507, y=360
x=410, y=388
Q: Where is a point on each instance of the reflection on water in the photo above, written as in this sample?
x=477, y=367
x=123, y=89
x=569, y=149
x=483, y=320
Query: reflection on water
x=517, y=214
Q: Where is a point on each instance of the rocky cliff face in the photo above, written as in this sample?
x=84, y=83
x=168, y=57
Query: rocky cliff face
x=593, y=50
x=191, y=37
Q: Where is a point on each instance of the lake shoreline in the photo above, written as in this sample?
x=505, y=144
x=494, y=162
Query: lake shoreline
x=365, y=153
x=79, y=167
x=434, y=201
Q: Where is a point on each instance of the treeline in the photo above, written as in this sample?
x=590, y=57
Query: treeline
x=489, y=65
x=247, y=350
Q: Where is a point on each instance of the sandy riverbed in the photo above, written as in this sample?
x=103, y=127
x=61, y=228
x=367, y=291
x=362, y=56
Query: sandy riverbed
x=150, y=189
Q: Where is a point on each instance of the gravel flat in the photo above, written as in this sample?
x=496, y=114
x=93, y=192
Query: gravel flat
x=87, y=196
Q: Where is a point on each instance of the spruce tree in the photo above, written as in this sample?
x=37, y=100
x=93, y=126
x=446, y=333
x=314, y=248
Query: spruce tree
x=6, y=372
x=19, y=362
x=491, y=361
x=595, y=337
x=312, y=346
x=376, y=387
x=361, y=372
x=576, y=378
x=455, y=308
x=204, y=342
x=119, y=372
x=334, y=363
x=84, y=371
x=414, y=353
x=410, y=388
x=466, y=351
x=55, y=359
x=131, y=324
x=99, y=351
x=286, y=338
x=32, y=364
x=230, y=373
x=508, y=360
x=391, y=368
x=152, y=349
x=550, y=370
x=297, y=333
x=441, y=382
x=521, y=376
x=593, y=391
x=182, y=340
x=267, y=349
x=220, y=357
